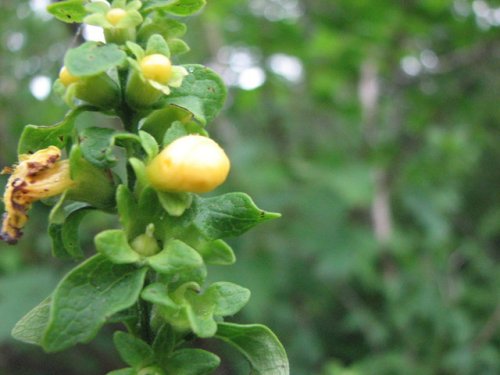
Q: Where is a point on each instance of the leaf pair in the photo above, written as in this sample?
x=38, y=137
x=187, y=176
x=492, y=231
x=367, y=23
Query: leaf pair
x=160, y=358
x=186, y=308
x=255, y=342
x=177, y=260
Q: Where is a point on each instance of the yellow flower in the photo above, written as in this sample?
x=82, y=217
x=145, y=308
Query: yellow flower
x=192, y=163
x=37, y=176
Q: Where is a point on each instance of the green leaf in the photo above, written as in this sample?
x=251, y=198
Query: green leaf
x=175, y=203
x=31, y=327
x=192, y=362
x=136, y=50
x=127, y=208
x=180, y=129
x=157, y=293
x=65, y=238
x=157, y=4
x=97, y=7
x=259, y=346
x=164, y=344
x=93, y=185
x=229, y=298
x=61, y=210
x=68, y=11
x=171, y=305
x=156, y=44
x=202, y=93
x=217, y=252
x=178, y=46
x=36, y=137
x=185, y=7
x=97, y=145
x=113, y=244
x=92, y=58
x=133, y=350
x=176, y=259
x=149, y=144
x=158, y=122
x=176, y=130
x=227, y=215
x=167, y=28
x=139, y=169
x=200, y=313
x=103, y=289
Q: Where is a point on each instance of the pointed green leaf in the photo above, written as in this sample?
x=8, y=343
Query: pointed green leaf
x=92, y=58
x=31, y=327
x=175, y=203
x=217, y=252
x=133, y=350
x=68, y=11
x=113, y=244
x=192, y=362
x=86, y=297
x=176, y=259
x=259, y=346
x=227, y=215
x=202, y=93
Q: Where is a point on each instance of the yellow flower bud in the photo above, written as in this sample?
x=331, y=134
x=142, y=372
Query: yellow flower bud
x=192, y=163
x=66, y=77
x=156, y=67
x=115, y=15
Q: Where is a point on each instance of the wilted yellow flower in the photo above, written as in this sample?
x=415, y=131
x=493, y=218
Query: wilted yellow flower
x=37, y=176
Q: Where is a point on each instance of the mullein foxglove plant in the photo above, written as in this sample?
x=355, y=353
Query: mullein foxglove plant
x=149, y=273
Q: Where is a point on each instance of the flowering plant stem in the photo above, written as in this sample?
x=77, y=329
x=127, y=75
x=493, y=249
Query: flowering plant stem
x=150, y=272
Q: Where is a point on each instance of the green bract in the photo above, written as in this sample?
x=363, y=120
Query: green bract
x=150, y=271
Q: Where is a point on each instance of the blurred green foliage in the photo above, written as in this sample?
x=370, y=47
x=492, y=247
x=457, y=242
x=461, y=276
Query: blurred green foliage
x=372, y=126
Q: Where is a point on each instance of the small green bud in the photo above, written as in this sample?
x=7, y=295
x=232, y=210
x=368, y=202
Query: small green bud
x=145, y=244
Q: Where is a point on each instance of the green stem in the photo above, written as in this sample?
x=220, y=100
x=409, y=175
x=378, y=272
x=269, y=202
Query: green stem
x=145, y=315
